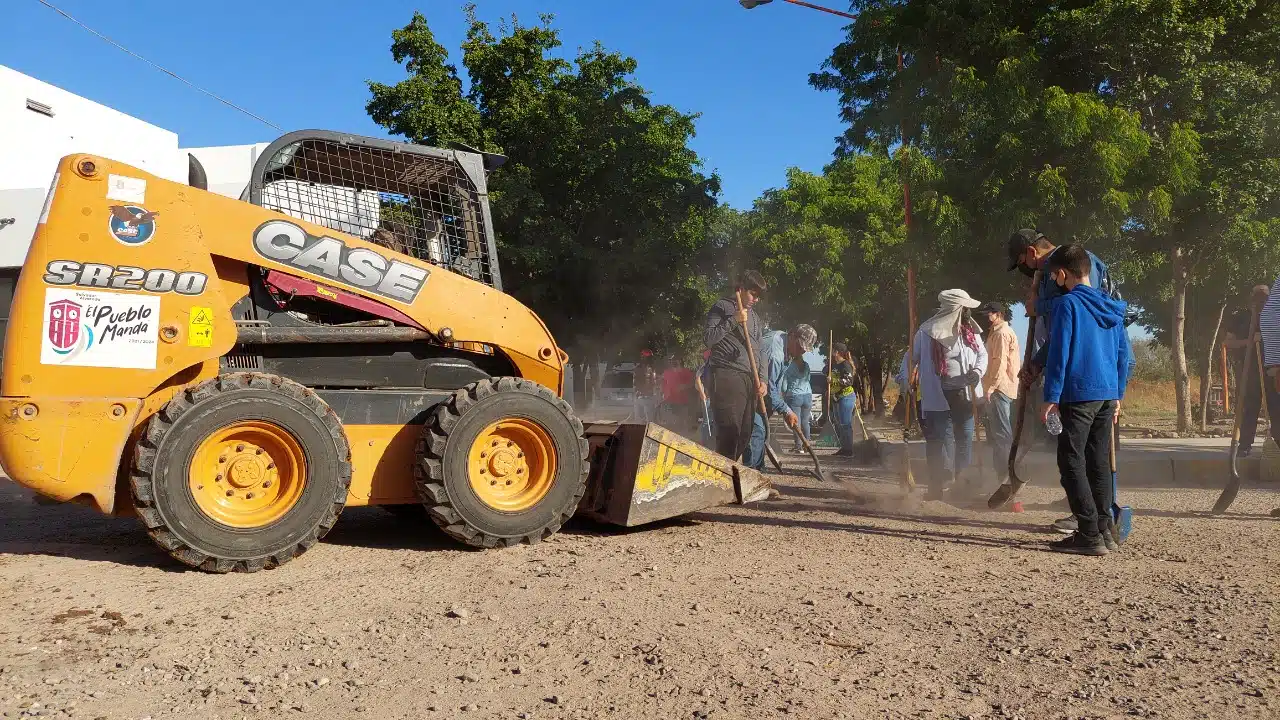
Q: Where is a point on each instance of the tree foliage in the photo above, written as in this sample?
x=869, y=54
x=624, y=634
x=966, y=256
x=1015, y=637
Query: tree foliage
x=1148, y=129
x=602, y=213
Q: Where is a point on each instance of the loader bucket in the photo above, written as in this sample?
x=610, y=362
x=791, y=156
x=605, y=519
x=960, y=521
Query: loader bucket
x=642, y=473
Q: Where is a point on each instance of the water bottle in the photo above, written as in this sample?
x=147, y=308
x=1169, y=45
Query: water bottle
x=1053, y=423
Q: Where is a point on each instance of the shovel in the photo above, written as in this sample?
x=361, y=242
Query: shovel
x=1232, y=488
x=1004, y=494
x=869, y=447
x=706, y=405
x=1121, y=515
x=755, y=375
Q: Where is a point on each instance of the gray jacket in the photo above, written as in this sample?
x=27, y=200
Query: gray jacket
x=723, y=336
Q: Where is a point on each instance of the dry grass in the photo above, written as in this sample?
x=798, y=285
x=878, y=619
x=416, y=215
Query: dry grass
x=1156, y=398
x=1143, y=399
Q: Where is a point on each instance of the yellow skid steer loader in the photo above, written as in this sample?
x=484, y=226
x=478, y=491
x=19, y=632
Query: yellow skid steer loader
x=237, y=372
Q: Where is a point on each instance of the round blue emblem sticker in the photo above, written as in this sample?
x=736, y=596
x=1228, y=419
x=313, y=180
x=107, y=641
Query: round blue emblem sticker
x=132, y=225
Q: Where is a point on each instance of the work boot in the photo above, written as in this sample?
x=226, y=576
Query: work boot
x=1078, y=544
x=1066, y=525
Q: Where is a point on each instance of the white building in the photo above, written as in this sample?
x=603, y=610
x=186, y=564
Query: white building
x=40, y=124
x=43, y=123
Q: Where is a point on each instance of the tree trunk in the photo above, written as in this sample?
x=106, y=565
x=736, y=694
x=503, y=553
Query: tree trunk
x=597, y=378
x=1206, y=369
x=1182, y=383
x=875, y=378
x=581, y=400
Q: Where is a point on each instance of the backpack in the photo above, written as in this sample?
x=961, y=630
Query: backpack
x=1112, y=289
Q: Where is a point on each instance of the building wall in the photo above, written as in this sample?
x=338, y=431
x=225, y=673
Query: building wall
x=228, y=167
x=32, y=143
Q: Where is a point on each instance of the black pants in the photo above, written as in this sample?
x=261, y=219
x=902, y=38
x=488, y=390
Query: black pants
x=1251, y=397
x=1084, y=459
x=733, y=396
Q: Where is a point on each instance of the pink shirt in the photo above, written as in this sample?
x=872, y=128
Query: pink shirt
x=1003, y=362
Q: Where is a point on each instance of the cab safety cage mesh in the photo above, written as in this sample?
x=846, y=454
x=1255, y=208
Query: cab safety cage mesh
x=428, y=203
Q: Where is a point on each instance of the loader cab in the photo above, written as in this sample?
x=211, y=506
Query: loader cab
x=428, y=203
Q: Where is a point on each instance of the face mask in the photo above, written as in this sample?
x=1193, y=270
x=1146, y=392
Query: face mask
x=1060, y=282
x=1029, y=272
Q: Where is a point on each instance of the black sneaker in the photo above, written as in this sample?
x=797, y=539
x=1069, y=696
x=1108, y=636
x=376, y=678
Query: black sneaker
x=1243, y=452
x=1078, y=544
x=1066, y=525
x=1109, y=540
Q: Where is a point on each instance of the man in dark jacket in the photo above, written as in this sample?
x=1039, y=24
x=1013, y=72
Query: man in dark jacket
x=734, y=388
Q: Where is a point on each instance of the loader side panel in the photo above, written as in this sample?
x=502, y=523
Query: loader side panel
x=382, y=459
x=67, y=448
x=383, y=427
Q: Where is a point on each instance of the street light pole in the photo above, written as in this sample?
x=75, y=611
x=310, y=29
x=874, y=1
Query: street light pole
x=751, y=4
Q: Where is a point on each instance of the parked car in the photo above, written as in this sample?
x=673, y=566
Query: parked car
x=617, y=388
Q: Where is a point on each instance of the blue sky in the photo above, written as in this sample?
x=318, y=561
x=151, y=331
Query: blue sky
x=745, y=71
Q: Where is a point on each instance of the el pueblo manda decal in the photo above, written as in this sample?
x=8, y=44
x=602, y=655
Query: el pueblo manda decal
x=87, y=328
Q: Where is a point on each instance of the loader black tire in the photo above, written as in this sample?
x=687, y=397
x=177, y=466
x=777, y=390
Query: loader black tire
x=443, y=481
x=166, y=502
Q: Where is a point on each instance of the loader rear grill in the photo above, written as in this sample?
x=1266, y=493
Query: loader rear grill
x=241, y=361
x=414, y=200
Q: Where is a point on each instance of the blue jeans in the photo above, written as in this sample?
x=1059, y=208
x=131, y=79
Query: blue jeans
x=802, y=405
x=842, y=416
x=944, y=454
x=754, y=455
x=1000, y=431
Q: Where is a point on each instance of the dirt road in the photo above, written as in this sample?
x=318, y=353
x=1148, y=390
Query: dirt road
x=810, y=606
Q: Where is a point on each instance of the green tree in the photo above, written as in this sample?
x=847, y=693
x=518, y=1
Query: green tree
x=833, y=248
x=603, y=213
x=1147, y=129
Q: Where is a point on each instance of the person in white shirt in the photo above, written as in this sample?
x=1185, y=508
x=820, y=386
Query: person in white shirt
x=951, y=359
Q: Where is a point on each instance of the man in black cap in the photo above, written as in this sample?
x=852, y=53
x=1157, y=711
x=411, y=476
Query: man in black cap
x=1029, y=250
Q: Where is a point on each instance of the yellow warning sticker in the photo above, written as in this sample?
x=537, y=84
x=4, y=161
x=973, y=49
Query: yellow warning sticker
x=200, y=327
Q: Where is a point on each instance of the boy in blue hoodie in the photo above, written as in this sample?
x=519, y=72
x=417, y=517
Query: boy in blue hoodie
x=1085, y=375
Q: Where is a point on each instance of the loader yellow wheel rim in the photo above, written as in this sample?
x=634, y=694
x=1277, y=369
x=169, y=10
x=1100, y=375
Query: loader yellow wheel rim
x=512, y=464
x=248, y=475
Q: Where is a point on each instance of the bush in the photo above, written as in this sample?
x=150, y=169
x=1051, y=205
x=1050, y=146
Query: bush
x=1154, y=362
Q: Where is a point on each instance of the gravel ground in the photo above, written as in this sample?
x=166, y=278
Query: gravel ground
x=810, y=606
